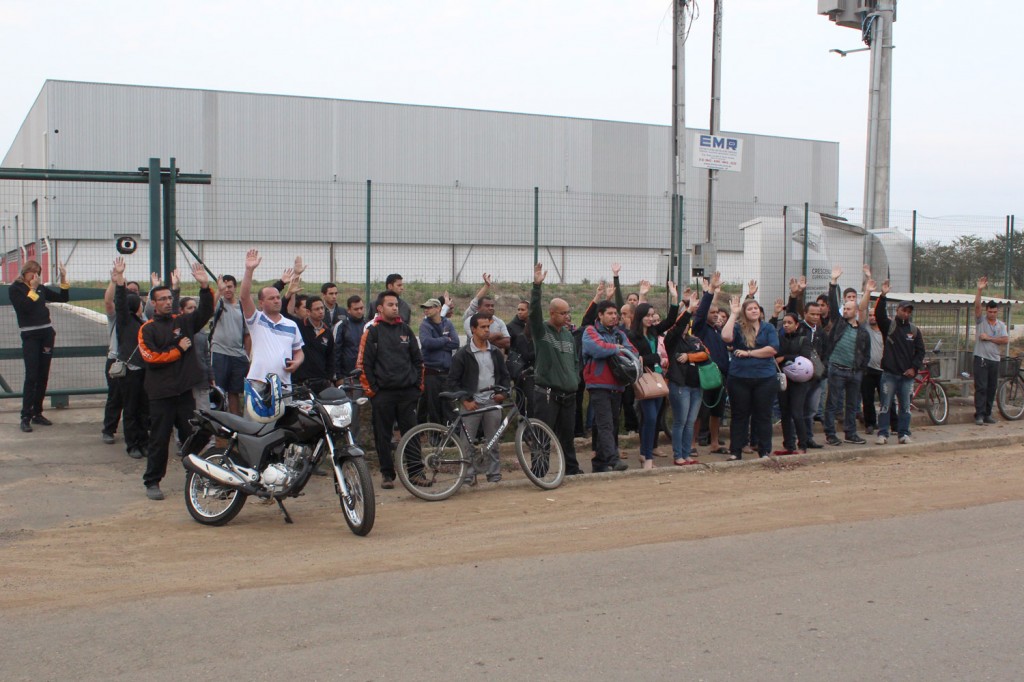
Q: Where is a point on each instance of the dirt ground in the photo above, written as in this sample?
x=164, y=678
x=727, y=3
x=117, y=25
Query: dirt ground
x=102, y=542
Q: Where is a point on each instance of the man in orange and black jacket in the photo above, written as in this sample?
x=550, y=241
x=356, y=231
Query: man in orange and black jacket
x=172, y=369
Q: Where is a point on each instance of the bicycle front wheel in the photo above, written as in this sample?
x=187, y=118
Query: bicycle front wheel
x=1010, y=398
x=540, y=454
x=936, y=403
x=430, y=463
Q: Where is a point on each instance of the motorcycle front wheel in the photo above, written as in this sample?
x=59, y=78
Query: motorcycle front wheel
x=361, y=509
x=209, y=502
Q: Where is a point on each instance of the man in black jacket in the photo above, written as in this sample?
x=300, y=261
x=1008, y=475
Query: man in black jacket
x=392, y=366
x=902, y=359
x=172, y=369
x=475, y=367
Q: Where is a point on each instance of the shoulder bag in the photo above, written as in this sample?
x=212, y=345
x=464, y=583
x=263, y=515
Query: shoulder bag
x=651, y=385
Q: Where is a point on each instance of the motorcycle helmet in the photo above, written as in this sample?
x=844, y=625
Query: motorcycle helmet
x=218, y=399
x=800, y=370
x=626, y=367
x=263, y=399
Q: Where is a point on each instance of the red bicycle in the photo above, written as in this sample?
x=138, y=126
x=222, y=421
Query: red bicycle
x=928, y=393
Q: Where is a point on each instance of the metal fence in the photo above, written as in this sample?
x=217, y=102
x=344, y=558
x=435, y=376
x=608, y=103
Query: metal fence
x=355, y=233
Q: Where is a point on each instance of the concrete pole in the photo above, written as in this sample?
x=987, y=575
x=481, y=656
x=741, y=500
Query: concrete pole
x=716, y=100
x=678, y=171
x=877, y=164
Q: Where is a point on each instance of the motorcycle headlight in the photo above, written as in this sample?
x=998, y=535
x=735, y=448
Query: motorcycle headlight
x=341, y=415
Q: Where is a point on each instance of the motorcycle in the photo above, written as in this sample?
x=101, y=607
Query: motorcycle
x=275, y=460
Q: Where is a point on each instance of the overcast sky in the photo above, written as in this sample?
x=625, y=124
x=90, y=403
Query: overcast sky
x=958, y=84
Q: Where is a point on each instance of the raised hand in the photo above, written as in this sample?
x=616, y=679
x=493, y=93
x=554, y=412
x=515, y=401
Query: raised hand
x=673, y=290
x=252, y=260
x=599, y=295
x=288, y=275
x=447, y=300
x=176, y=278
x=154, y=280
x=62, y=269
x=616, y=269
x=752, y=288
x=802, y=282
x=871, y=285
x=982, y=282
x=220, y=284
x=885, y=288
x=119, y=266
x=645, y=287
x=199, y=273
x=299, y=268
x=780, y=305
x=539, y=273
x=867, y=271
x=735, y=305
x=794, y=287
x=715, y=283
x=609, y=292
x=694, y=300
x=487, y=278
x=837, y=272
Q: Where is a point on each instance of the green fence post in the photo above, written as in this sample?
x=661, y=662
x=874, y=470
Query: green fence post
x=807, y=235
x=170, y=218
x=913, y=249
x=536, y=225
x=369, y=306
x=154, y=215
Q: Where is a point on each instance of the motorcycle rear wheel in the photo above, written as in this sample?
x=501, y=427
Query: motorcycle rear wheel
x=210, y=503
x=361, y=514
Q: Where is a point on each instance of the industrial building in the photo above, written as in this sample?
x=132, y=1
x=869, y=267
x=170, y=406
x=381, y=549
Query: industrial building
x=452, y=192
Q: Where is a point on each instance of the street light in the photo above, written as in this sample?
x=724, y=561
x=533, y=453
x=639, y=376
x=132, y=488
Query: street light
x=843, y=53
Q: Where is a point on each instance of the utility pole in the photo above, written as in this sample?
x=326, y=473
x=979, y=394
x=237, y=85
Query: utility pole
x=716, y=101
x=680, y=26
x=874, y=18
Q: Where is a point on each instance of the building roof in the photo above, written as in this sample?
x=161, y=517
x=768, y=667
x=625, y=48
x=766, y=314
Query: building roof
x=944, y=298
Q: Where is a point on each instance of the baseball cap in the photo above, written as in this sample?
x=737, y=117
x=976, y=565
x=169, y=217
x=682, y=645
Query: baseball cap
x=905, y=304
x=431, y=303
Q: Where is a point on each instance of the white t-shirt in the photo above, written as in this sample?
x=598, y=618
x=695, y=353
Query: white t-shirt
x=272, y=344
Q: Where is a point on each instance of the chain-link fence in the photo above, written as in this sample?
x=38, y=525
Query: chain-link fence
x=444, y=237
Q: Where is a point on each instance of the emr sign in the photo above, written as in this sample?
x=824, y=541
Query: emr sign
x=718, y=153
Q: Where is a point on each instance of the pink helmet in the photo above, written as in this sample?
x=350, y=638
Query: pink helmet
x=800, y=370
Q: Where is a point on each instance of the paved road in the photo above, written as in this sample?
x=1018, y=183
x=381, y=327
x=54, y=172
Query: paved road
x=929, y=597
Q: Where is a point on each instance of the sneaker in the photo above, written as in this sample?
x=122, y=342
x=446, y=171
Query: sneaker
x=905, y=439
x=43, y=421
x=387, y=483
x=881, y=440
x=108, y=438
x=989, y=420
x=978, y=421
x=493, y=478
x=25, y=426
x=153, y=492
x=814, y=445
x=869, y=430
x=619, y=466
x=855, y=439
x=136, y=453
x=469, y=480
x=832, y=440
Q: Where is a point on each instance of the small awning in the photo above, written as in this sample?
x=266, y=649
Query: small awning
x=940, y=298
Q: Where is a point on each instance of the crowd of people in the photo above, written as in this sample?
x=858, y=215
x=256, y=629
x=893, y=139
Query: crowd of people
x=829, y=359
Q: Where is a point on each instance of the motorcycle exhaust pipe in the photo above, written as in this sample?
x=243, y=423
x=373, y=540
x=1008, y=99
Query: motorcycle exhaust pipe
x=215, y=472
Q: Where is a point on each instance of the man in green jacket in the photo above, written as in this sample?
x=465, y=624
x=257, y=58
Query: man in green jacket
x=556, y=370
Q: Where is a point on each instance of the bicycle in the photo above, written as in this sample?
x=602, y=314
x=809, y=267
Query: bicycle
x=432, y=459
x=930, y=392
x=1010, y=394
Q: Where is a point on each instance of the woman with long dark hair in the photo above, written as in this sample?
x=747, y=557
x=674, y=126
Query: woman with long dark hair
x=29, y=297
x=752, y=384
x=793, y=344
x=644, y=334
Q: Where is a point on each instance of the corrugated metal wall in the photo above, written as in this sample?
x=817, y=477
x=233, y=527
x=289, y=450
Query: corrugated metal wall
x=293, y=165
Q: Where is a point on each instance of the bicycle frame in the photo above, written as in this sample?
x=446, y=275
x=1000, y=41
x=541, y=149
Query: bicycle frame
x=511, y=417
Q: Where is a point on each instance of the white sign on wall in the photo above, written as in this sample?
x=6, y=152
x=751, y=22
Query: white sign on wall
x=717, y=153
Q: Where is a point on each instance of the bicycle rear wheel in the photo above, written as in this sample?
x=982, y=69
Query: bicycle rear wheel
x=540, y=454
x=936, y=403
x=430, y=463
x=1010, y=398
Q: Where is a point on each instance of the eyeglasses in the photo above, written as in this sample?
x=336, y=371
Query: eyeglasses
x=562, y=312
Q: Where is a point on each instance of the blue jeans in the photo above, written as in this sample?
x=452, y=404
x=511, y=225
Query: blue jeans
x=812, y=404
x=843, y=387
x=685, y=407
x=648, y=426
x=900, y=386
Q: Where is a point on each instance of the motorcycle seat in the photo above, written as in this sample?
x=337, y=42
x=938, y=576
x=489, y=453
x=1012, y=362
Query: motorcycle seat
x=238, y=424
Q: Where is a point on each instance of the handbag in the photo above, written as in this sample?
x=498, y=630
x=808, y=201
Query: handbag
x=710, y=376
x=119, y=368
x=819, y=366
x=781, y=376
x=651, y=385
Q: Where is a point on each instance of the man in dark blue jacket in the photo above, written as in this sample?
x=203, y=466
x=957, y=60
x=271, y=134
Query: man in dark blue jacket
x=438, y=340
x=348, y=332
x=707, y=326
